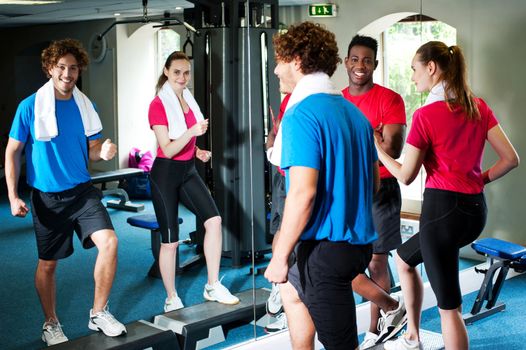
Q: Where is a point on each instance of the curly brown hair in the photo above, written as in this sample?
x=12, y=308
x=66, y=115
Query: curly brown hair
x=314, y=45
x=60, y=48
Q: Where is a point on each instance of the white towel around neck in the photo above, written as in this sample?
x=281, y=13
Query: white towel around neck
x=309, y=84
x=437, y=93
x=46, y=119
x=174, y=111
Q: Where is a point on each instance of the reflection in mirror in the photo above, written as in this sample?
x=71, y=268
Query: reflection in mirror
x=122, y=86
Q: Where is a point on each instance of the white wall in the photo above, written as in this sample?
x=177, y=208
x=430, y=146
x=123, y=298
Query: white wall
x=491, y=34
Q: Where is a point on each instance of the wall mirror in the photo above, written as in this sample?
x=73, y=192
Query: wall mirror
x=233, y=49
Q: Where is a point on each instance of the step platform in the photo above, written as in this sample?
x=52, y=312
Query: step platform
x=204, y=324
x=141, y=335
x=430, y=340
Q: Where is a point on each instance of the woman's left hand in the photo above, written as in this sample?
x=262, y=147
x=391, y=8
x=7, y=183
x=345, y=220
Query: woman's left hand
x=203, y=155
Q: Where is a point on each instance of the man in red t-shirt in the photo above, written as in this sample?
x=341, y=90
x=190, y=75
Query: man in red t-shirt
x=385, y=111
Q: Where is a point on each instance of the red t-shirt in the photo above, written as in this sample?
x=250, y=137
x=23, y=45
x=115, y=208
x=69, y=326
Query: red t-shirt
x=381, y=106
x=454, y=145
x=282, y=107
x=157, y=116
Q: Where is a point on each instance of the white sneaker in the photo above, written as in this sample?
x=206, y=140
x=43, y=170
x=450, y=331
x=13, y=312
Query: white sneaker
x=278, y=325
x=218, y=292
x=274, y=304
x=402, y=343
x=52, y=333
x=392, y=322
x=369, y=341
x=173, y=303
x=105, y=322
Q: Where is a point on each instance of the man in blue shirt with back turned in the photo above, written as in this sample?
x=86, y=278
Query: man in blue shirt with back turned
x=331, y=168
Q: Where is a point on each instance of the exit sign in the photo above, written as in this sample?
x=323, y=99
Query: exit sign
x=322, y=10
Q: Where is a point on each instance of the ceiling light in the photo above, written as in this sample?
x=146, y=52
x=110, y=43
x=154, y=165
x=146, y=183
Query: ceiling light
x=29, y=2
x=116, y=14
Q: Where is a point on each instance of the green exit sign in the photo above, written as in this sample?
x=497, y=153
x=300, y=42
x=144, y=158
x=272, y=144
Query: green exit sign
x=322, y=10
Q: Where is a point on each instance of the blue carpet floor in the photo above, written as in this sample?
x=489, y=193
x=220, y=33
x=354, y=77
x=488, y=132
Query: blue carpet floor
x=134, y=295
x=137, y=296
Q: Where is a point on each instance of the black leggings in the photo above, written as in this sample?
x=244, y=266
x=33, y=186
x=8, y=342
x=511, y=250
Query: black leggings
x=449, y=221
x=173, y=181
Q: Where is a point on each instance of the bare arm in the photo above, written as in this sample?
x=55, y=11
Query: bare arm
x=99, y=150
x=508, y=157
x=392, y=140
x=298, y=209
x=13, y=155
x=170, y=147
x=407, y=171
x=271, y=137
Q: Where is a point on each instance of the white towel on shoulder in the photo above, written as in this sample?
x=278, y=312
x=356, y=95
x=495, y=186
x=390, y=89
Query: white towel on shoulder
x=437, y=93
x=310, y=84
x=174, y=111
x=46, y=119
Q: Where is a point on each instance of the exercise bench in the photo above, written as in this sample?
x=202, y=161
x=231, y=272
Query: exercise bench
x=502, y=256
x=149, y=222
x=118, y=175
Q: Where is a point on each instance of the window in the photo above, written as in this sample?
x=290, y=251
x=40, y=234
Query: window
x=168, y=41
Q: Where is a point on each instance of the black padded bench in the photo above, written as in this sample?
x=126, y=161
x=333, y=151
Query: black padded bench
x=502, y=256
x=140, y=335
x=149, y=222
x=118, y=175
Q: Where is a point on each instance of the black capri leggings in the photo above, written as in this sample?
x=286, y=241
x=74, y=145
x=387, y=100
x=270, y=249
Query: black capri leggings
x=174, y=181
x=449, y=221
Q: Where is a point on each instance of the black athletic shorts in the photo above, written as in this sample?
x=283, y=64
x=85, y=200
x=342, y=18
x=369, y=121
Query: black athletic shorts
x=57, y=215
x=387, y=204
x=322, y=276
x=174, y=181
x=449, y=221
x=278, y=202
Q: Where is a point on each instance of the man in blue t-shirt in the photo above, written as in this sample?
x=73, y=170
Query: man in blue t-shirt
x=331, y=168
x=59, y=130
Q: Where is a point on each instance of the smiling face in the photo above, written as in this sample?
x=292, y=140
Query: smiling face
x=422, y=74
x=360, y=65
x=65, y=75
x=178, y=74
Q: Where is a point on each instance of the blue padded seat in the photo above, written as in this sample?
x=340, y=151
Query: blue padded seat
x=499, y=248
x=503, y=256
x=148, y=221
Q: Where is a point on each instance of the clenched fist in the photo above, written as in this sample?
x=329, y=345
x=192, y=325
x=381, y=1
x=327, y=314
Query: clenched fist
x=108, y=150
x=200, y=128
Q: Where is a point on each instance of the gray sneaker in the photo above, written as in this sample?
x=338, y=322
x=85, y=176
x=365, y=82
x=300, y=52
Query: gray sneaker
x=52, y=333
x=369, y=341
x=278, y=325
x=105, y=322
x=274, y=304
x=173, y=303
x=392, y=322
x=218, y=292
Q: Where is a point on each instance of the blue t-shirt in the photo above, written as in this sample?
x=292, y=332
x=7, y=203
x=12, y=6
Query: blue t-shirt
x=328, y=133
x=61, y=163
